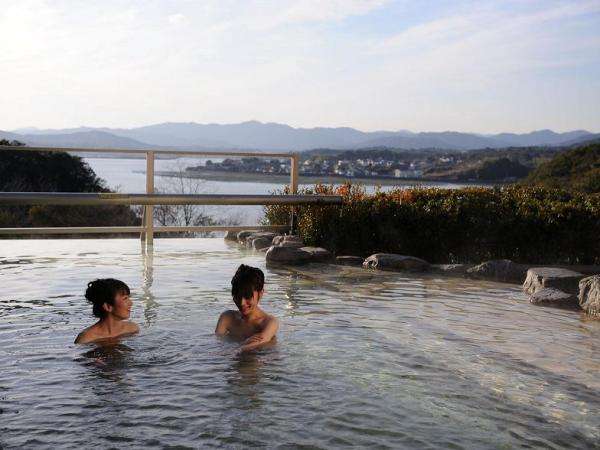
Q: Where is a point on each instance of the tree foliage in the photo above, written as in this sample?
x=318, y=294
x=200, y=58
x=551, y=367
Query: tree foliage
x=33, y=171
x=577, y=169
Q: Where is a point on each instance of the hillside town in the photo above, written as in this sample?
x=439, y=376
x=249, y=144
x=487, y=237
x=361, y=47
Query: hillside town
x=329, y=166
x=494, y=165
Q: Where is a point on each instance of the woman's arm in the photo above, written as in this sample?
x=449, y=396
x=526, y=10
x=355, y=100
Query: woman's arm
x=258, y=339
x=222, y=328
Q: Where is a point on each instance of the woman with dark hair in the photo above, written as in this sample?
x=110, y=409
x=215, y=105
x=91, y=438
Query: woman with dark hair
x=112, y=305
x=250, y=324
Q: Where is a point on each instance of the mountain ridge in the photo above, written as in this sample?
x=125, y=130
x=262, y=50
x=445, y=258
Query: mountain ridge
x=252, y=135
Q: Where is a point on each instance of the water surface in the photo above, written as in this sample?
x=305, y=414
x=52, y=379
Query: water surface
x=362, y=358
x=126, y=175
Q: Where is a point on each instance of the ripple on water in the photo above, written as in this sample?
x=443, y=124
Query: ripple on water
x=362, y=358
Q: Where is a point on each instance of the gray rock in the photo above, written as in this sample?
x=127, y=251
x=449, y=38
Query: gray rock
x=349, y=260
x=452, y=269
x=242, y=235
x=259, y=234
x=231, y=235
x=391, y=261
x=589, y=295
x=286, y=255
x=261, y=242
x=288, y=241
x=265, y=234
x=564, y=280
x=292, y=244
x=318, y=254
x=584, y=269
x=552, y=297
x=499, y=270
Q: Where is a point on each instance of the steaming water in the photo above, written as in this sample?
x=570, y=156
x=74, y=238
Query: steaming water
x=366, y=359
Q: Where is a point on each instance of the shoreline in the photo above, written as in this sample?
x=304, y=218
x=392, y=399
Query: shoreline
x=311, y=179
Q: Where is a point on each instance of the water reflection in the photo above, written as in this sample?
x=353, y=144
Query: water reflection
x=289, y=285
x=245, y=374
x=108, y=360
x=365, y=358
x=148, y=299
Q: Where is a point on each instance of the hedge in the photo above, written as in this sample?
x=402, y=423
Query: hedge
x=524, y=224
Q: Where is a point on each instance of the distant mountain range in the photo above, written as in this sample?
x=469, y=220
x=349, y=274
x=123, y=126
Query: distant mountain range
x=278, y=137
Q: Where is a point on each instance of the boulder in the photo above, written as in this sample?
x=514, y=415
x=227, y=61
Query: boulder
x=589, y=295
x=291, y=241
x=318, y=254
x=288, y=241
x=564, y=280
x=265, y=234
x=391, y=261
x=231, y=236
x=553, y=297
x=452, y=269
x=259, y=234
x=261, y=242
x=349, y=260
x=584, y=269
x=291, y=244
x=286, y=255
x=292, y=238
x=499, y=270
x=242, y=235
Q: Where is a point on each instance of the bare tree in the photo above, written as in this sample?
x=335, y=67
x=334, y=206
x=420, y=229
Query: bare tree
x=180, y=182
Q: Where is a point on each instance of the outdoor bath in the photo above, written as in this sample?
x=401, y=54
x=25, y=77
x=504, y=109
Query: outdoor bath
x=372, y=359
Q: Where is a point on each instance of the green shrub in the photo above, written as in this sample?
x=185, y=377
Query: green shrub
x=33, y=171
x=578, y=170
x=524, y=224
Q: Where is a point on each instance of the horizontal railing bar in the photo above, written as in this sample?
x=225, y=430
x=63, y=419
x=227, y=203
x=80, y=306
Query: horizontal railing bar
x=103, y=230
x=142, y=152
x=100, y=198
x=200, y=229
x=71, y=230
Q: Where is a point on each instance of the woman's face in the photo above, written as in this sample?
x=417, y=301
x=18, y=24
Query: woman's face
x=122, y=307
x=248, y=305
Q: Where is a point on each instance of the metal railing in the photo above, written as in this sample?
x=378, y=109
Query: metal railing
x=150, y=198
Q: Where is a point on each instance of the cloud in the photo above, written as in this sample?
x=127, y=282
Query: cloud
x=369, y=64
x=264, y=16
x=330, y=10
x=177, y=19
x=492, y=42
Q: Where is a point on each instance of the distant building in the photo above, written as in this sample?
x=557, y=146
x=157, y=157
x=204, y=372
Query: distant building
x=411, y=173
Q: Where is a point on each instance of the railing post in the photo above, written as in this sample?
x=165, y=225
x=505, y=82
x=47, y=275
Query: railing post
x=294, y=172
x=149, y=209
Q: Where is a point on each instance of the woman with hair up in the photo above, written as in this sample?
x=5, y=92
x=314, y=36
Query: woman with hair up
x=250, y=324
x=111, y=305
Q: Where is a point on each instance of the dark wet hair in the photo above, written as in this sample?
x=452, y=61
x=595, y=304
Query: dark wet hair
x=245, y=281
x=102, y=291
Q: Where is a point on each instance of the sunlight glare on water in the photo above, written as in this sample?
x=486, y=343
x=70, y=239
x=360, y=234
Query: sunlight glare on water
x=362, y=358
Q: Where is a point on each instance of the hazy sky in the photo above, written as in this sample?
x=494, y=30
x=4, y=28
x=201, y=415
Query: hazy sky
x=482, y=66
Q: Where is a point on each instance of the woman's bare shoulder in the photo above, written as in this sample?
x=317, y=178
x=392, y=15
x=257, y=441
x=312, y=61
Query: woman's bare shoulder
x=229, y=315
x=131, y=327
x=92, y=333
x=88, y=335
